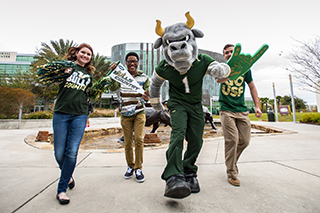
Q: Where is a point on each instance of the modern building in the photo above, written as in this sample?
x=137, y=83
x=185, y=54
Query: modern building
x=149, y=59
x=210, y=87
x=10, y=62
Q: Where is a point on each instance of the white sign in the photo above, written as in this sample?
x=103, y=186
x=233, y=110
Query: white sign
x=8, y=56
x=121, y=75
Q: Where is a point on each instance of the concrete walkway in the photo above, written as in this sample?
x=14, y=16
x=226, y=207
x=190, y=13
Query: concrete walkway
x=278, y=173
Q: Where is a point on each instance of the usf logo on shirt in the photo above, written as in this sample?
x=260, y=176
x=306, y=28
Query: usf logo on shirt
x=234, y=88
x=78, y=80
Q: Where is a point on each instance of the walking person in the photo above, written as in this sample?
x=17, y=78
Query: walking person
x=133, y=116
x=234, y=118
x=70, y=116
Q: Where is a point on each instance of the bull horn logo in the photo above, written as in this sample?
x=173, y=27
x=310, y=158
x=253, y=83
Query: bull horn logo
x=189, y=23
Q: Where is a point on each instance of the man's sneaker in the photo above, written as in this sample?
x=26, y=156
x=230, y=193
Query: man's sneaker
x=139, y=176
x=193, y=182
x=129, y=173
x=177, y=187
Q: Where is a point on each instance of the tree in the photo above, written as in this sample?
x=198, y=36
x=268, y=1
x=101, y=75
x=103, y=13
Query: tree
x=14, y=99
x=102, y=68
x=264, y=101
x=299, y=103
x=22, y=80
x=278, y=98
x=55, y=50
x=271, y=102
x=306, y=64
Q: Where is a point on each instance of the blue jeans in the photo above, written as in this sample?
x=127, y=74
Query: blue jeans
x=68, y=130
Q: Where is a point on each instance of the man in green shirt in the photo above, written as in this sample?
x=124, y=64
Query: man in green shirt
x=234, y=118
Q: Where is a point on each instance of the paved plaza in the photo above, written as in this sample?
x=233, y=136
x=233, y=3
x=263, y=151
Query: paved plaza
x=278, y=173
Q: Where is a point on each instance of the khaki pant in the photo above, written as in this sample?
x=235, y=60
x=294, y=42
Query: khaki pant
x=136, y=125
x=236, y=129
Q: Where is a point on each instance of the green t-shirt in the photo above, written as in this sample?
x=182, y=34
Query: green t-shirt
x=188, y=86
x=72, y=97
x=231, y=95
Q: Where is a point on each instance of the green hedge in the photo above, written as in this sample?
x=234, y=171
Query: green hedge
x=311, y=118
x=39, y=115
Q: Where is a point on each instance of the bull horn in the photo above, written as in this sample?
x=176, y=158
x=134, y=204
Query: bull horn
x=159, y=29
x=190, y=21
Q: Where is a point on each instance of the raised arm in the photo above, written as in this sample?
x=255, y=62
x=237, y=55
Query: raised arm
x=154, y=91
x=218, y=70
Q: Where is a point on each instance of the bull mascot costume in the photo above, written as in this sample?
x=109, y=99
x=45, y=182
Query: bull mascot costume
x=184, y=68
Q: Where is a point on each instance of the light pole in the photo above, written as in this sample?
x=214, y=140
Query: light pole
x=292, y=99
x=275, y=101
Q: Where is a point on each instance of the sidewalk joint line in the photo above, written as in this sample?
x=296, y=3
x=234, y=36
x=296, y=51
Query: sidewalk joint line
x=84, y=159
x=46, y=187
x=36, y=195
x=296, y=169
x=216, y=158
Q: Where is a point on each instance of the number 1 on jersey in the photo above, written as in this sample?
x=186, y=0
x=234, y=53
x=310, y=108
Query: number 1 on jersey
x=186, y=84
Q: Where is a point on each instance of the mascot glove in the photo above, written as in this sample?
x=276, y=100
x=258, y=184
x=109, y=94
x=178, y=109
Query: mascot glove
x=219, y=70
x=156, y=104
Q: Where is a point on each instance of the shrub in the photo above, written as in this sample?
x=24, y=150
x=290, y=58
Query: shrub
x=311, y=118
x=101, y=112
x=39, y=115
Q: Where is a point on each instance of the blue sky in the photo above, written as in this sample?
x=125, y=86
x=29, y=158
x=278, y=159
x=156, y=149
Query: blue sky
x=102, y=24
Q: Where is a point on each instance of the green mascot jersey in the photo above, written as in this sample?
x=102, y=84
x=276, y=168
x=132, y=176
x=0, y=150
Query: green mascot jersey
x=231, y=96
x=188, y=86
x=72, y=96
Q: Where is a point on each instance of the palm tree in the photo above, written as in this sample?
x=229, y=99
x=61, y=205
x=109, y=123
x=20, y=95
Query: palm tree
x=278, y=101
x=55, y=50
x=102, y=68
x=264, y=101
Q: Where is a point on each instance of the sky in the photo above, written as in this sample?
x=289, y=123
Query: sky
x=25, y=24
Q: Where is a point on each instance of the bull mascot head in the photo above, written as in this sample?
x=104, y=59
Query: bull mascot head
x=179, y=44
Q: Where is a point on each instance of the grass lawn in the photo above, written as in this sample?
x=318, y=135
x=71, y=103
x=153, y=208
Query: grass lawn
x=283, y=118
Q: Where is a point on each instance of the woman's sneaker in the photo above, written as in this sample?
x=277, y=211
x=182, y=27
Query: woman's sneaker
x=129, y=173
x=139, y=176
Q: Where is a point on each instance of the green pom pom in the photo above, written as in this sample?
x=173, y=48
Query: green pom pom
x=54, y=71
x=100, y=86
